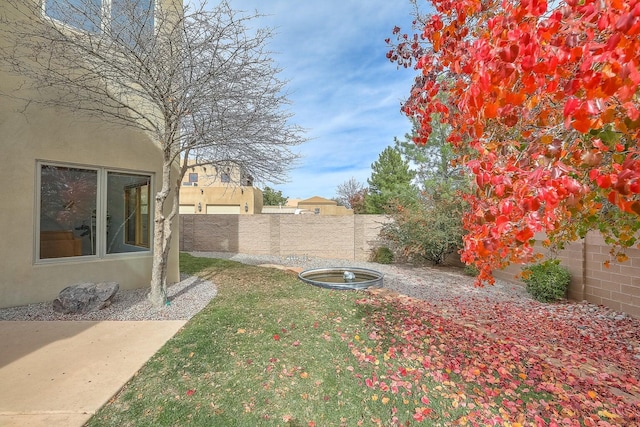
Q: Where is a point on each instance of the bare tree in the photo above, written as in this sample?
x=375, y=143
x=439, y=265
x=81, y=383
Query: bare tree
x=198, y=81
x=351, y=194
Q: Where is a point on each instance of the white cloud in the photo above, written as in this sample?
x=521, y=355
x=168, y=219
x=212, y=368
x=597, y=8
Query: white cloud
x=344, y=90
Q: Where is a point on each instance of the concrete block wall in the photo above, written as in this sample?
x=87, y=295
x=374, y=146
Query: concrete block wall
x=346, y=237
x=616, y=286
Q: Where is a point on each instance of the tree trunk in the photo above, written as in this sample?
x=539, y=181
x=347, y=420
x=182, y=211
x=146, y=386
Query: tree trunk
x=161, y=241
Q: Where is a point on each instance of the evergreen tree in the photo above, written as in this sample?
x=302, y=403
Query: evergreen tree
x=433, y=162
x=390, y=182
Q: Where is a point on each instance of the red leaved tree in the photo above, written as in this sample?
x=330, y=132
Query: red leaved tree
x=543, y=103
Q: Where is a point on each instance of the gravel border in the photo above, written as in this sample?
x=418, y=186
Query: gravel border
x=185, y=299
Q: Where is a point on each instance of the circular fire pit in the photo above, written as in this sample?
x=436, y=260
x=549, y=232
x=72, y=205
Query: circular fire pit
x=347, y=278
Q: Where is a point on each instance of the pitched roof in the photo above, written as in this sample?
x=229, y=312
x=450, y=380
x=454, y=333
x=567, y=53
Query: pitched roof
x=317, y=200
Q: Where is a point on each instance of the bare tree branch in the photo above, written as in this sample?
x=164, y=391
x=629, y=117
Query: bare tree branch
x=198, y=81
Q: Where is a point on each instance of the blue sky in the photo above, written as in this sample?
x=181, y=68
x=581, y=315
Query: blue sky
x=343, y=89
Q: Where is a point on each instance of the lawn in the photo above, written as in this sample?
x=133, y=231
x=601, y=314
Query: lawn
x=272, y=351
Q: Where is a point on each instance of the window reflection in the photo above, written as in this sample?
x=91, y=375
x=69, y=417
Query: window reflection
x=68, y=200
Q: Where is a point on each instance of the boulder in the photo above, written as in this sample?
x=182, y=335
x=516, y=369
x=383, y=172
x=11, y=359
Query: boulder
x=85, y=297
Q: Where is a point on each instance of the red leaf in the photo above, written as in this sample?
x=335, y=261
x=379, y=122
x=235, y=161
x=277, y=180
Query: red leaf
x=603, y=181
x=524, y=235
x=583, y=125
x=570, y=106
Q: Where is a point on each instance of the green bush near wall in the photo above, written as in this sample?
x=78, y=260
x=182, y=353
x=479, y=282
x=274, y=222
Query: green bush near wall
x=382, y=255
x=547, y=281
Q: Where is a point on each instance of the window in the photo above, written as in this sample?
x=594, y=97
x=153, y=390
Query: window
x=137, y=215
x=193, y=180
x=128, y=221
x=128, y=20
x=225, y=177
x=82, y=14
x=86, y=211
x=68, y=204
x=132, y=20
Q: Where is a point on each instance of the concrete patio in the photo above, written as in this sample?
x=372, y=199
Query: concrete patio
x=60, y=373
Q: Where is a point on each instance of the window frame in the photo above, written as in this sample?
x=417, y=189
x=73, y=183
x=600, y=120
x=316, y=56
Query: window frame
x=101, y=251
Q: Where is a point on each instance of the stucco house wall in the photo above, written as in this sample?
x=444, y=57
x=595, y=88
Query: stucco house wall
x=30, y=135
x=219, y=190
x=321, y=206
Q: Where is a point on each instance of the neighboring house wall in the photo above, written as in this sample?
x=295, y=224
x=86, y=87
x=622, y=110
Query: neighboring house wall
x=315, y=205
x=281, y=210
x=345, y=237
x=203, y=200
x=33, y=269
x=219, y=190
x=617, y=287
x=325, y=209
x=321, y=206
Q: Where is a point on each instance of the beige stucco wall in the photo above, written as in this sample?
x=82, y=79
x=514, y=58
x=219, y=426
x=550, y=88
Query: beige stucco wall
x=29, y=134
x=222, y=196
x=325, y=209
x=346, y=237
x=321, y=206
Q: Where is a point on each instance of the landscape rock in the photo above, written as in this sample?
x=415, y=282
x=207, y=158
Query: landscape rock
x=85, y=297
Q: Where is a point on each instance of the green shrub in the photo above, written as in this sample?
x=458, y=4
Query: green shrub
x=547, y=281
x=429, y=229
x=471, y=270
x=382, y=255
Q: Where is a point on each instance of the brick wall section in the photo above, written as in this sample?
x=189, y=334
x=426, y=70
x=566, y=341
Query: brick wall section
x=617, y=287
x=347, y=237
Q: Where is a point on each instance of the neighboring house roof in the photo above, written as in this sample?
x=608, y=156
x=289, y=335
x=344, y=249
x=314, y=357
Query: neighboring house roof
x=317, y=200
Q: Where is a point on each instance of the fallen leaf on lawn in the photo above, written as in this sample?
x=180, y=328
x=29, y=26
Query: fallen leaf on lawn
x=607, y=414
